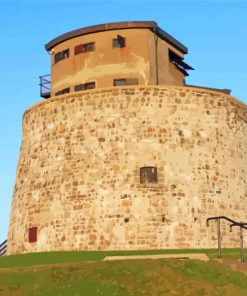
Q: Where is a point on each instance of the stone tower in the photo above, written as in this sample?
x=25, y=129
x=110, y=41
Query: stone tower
x=122, y=154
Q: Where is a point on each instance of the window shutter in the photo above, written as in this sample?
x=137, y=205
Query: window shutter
x=32, y=234
x=78, y=49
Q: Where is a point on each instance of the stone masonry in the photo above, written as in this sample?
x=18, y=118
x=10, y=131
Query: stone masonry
x=78, y=177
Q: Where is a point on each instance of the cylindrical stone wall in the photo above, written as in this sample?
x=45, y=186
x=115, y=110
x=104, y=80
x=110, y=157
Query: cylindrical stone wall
x=78, y=177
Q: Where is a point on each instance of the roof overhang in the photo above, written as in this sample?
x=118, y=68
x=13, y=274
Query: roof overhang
x=118, y=26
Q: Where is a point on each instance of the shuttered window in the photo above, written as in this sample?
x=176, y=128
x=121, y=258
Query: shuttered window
x=32, y=234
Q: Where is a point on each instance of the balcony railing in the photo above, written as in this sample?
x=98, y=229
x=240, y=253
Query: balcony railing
x=45, y=86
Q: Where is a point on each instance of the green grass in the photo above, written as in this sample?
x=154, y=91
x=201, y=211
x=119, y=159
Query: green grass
x=69, y=257
x=123, y=278
x=84, y=273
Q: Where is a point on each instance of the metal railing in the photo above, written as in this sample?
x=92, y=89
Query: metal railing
x=45, y=86
x=241, y=237
x=233, y=223
x=3, y=248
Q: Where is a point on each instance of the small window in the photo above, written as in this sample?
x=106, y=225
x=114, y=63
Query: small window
x=79, y=87
x=61, y=55
x=62, y=91
x=119, y=82
x=173, y=57
x=78, y=49
x=65, y=90
x=118, y=42
x=88, y=85
x=87, y=47
x=125, y=81
x=32, y=234
x=148, y=175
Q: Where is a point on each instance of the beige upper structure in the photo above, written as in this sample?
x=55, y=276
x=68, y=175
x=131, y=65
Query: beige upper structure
x=126, y=53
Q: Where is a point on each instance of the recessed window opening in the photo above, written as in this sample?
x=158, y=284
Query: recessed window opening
x=118, y=42
x=79, y=87
x=32, y=234
x=62, y=91
x=87, y=47
x=179, y=63
x=148, y=175
x=125, y=81
x=88, y=85
x=61, y=55
x=119, y=82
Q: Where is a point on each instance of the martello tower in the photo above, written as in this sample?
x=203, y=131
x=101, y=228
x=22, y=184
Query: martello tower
x=122, y=154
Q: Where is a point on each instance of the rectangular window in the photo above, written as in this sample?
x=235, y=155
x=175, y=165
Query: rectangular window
x=118, y=42
x=62, y=91
x=32, y=234
x=78, y=49
x=79, y=87
x=65, y=90
x=148, y=175
x=88, y=85
x=87, y=47
x=119, y=82
x=61, y=55
x=125, y=81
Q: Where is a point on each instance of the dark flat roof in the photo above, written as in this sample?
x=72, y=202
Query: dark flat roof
x=224, y=90
x=116, y=26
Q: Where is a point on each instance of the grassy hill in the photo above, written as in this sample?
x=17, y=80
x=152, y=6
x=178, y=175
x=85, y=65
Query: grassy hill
x=83, y=273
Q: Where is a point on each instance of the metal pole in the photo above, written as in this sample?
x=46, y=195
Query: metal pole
x=219, y=238
x=241, y=244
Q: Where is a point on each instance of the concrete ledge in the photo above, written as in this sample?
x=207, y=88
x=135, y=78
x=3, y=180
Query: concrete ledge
x=141, y=88
x=197, y=256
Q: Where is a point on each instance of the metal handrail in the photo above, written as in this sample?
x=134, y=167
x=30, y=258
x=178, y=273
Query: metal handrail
x=225, y=218
x=242, y=225
x=218, y=218
x=241, y=236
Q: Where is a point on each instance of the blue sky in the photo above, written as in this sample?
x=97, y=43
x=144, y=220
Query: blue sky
x=214, y=31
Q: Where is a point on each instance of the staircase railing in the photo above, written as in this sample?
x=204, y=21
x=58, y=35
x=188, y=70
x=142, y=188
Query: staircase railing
x=3, y=248
x=241, y=236
x=233, y=223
